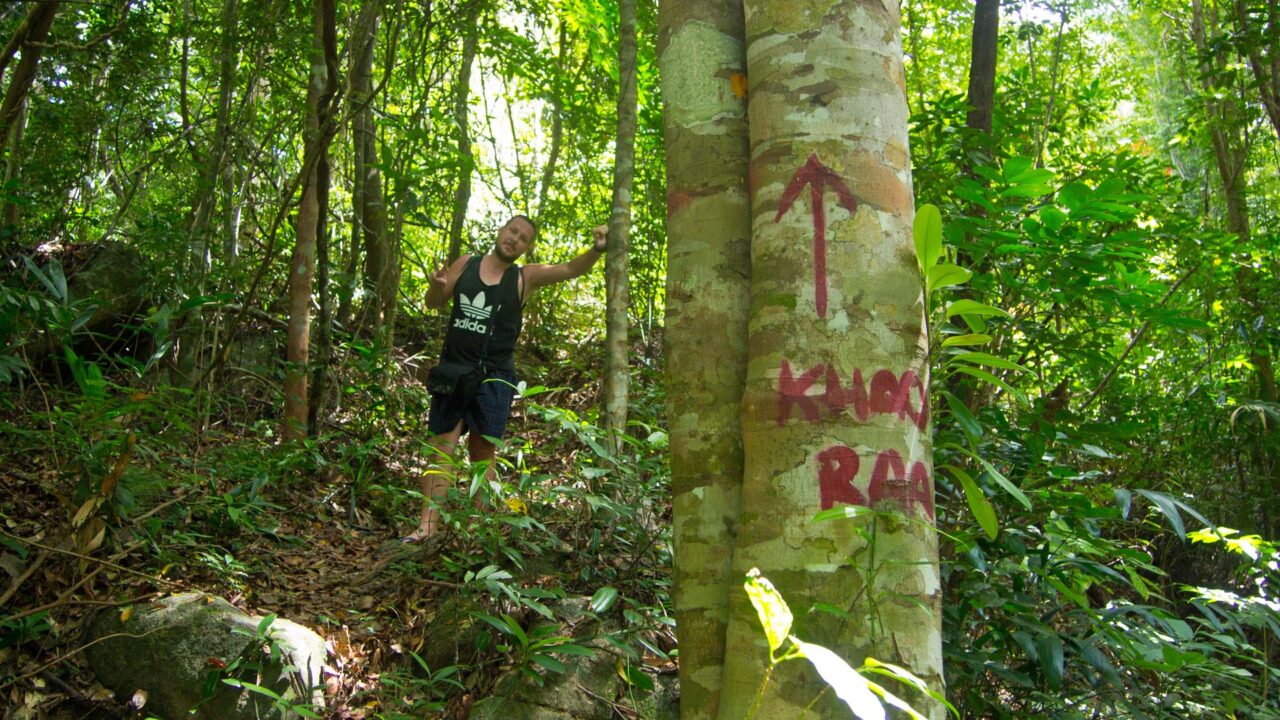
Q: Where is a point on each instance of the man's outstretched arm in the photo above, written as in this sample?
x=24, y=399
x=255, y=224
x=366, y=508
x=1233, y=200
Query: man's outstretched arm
x=537, y=275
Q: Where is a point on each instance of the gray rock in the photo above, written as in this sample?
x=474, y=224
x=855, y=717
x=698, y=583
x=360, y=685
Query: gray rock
x=587, y=690
x=170, y=648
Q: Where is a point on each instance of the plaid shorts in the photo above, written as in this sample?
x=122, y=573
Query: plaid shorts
x=485, y=413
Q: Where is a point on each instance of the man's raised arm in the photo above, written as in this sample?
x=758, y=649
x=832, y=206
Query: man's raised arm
x=537, y=275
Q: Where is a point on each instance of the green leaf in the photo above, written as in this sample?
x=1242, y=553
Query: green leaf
x=1168, y=507
x=988, y=377
x=926, y=231
x=265, y=624
x=637, y=677
x=1051, y=660
x=966, y=339
x=981, y=358
x=904, y=675
x=1074, y=195
x=848, y=685
x=973, y=307
x=1004, y=482
x=841, y=512
x=603, y=599
x=1052, y=218
x=774, y=614
x=548, y=662
x=54, y=281
x=1015, y=167
x=968, y=423
x=945, y=275
x=978, y=503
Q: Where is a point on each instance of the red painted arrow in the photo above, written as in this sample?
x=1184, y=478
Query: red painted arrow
x=817, y=176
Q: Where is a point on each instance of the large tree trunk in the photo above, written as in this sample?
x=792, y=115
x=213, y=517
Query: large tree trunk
x=701, y=55
x=302, y=264
x=834, y=408
x=618, y=290
x=982, y=64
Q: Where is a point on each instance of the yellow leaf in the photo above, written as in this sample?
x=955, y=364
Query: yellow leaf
x=125, y=614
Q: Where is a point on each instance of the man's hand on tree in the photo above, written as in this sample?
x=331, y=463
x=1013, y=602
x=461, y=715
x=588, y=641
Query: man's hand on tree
x=599, y=238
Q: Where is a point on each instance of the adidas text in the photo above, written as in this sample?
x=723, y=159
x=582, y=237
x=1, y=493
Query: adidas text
x=472, y=325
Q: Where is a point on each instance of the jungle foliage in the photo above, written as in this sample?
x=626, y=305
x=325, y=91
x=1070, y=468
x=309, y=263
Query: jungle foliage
x=1103, y=278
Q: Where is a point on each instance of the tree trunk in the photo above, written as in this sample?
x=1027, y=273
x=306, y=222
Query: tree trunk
x=12, y=164
x=701, y=55
x=618, y=291
x=371, y=214
x=461, y=116
x=30, y=38
x=302, y=264
x=834, y=407
x=982, y=64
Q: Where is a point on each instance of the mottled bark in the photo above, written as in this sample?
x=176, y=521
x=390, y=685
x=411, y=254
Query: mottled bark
x=703, y=64
x=834, y=408
x=617, y=282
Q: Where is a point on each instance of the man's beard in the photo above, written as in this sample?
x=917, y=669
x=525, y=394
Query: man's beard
x=503, y=256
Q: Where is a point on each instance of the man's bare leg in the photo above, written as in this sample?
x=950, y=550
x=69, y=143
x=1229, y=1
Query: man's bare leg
x=481, y=450
x=435, y=484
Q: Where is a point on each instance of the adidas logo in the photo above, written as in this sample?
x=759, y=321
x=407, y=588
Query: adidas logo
x=472, y=325
x=474, y=307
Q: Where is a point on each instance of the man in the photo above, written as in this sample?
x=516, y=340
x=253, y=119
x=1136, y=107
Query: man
x=488, y=295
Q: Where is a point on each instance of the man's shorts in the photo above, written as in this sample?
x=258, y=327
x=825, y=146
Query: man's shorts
x=485, y=413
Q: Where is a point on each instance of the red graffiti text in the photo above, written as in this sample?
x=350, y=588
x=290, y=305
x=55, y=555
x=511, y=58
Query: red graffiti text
x=890, y=480
x=901, y=395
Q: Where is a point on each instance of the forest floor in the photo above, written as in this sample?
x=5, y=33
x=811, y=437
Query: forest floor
x=315, y=541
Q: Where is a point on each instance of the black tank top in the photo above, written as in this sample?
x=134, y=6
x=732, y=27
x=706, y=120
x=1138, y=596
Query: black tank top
x=480, y=309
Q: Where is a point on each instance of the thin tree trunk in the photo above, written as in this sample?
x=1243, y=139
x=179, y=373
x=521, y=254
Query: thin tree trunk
x=1043, y=133
x=461, y=117
x=370, y=208
x=618, y=291
x=834, y=408
x=982, y=64
x=704, y=90
x=12, y=164
x=302, y=264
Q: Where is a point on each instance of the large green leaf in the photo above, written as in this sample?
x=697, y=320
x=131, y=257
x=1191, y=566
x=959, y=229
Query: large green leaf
x=978, y=503
x=926, y=231
x=945, y=275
